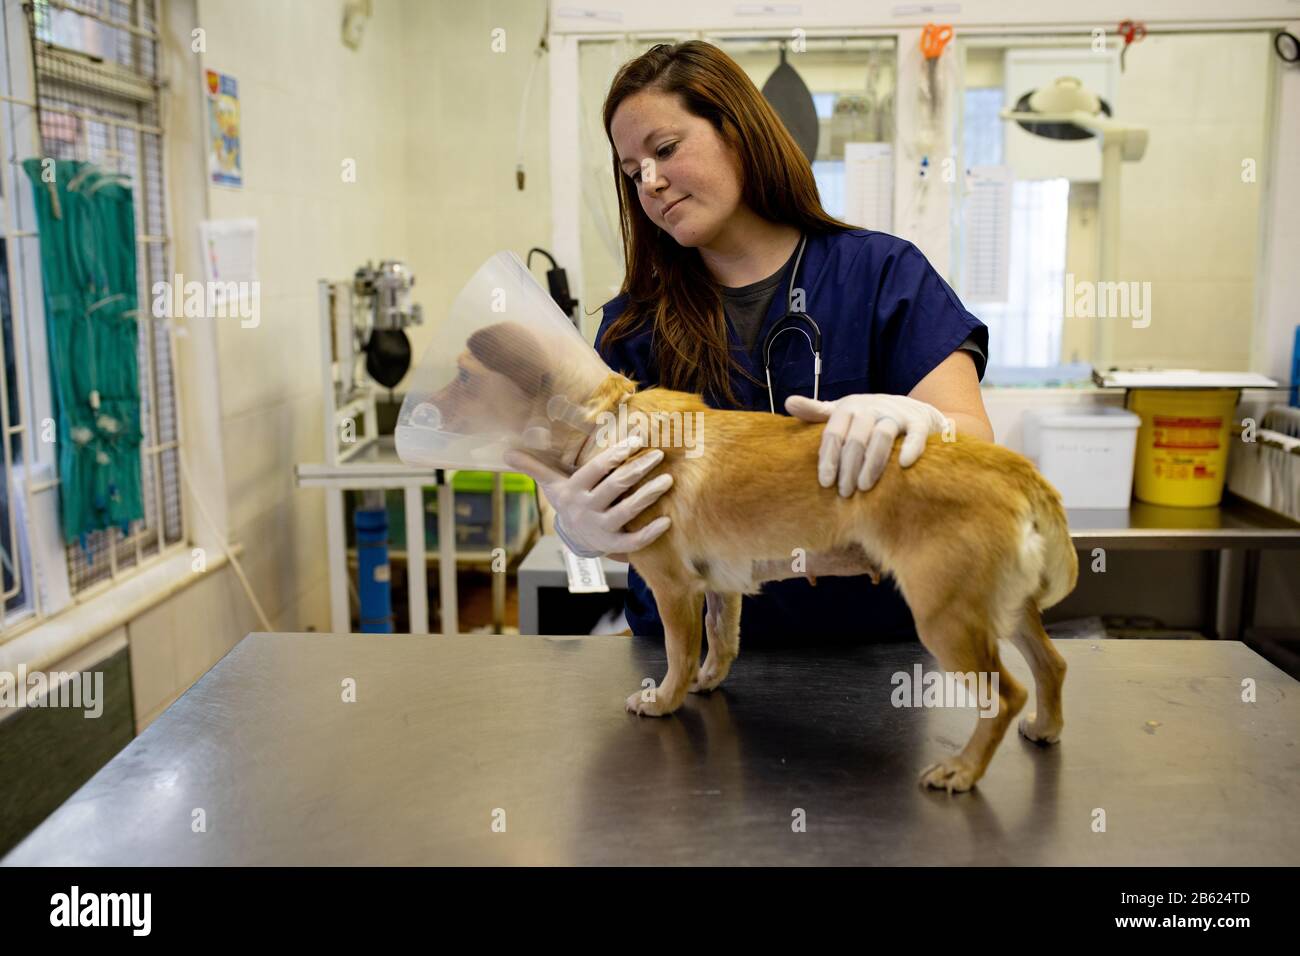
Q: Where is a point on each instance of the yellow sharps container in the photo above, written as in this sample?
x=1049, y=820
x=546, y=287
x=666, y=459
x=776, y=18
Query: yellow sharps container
x=1182, y=445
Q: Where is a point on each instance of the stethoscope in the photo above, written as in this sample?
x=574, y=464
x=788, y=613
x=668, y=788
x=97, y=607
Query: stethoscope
x=794, y=321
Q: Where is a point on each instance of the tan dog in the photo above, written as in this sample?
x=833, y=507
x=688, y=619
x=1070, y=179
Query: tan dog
x=974, y=537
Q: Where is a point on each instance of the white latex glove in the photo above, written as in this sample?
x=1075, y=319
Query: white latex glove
x=860, y=432
x=586, y=518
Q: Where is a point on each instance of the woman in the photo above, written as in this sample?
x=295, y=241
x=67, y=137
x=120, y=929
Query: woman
x=727, y=201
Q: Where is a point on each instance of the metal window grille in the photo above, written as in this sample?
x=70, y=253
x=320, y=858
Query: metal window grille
x=80, y=81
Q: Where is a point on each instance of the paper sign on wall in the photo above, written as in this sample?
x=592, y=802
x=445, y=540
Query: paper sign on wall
x=986, y=228
x=869, y=185
x=230, y=268
x=229, y=249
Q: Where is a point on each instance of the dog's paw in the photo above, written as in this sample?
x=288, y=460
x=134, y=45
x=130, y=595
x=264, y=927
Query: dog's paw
x=952, y=774
x=709, y=676
x=645, y=703
x=1030, y=729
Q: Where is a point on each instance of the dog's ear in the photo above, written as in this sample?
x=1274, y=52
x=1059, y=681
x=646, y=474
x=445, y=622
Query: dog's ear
x=514, y=352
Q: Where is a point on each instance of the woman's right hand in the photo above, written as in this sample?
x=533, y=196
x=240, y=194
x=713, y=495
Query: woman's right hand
x=586, y=517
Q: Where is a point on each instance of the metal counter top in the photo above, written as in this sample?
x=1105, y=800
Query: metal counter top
x=447, y=732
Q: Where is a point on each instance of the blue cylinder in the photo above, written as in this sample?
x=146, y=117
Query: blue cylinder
x=373, y=585
x=1295, y=370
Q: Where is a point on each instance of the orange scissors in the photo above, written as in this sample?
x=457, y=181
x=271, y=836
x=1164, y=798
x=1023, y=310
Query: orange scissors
x=934, y=38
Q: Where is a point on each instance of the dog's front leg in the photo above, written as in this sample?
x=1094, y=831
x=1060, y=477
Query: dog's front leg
x=722, y=621
x=680, y=608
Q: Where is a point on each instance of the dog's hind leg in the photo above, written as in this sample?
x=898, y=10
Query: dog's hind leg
x=963, y=644
x=680, y=609
x=1048, y=666
x=722, y=621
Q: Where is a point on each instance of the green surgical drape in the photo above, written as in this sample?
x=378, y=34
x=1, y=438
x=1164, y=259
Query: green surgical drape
x=88, y=255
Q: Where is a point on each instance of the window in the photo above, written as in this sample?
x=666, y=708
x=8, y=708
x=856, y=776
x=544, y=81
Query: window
x=1025, y=327
x=852, y=82
x=1189, y=226
x=96, y=99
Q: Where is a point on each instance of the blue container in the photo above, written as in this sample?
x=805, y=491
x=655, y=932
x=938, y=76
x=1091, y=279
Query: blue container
x=374, y=586
x=1295, y=370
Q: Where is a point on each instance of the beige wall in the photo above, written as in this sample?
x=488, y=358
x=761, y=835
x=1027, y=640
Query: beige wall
x=461, y=125
x=1190, y=226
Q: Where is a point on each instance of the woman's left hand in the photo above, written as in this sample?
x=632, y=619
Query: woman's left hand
x=860, y=432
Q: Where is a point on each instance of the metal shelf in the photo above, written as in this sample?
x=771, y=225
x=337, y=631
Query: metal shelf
x=1235, y=523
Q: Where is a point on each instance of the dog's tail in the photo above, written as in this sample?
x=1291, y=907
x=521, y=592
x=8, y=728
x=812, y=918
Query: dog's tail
x=1059, y=570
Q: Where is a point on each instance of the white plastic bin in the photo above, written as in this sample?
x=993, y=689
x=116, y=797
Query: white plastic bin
x=1087, y=452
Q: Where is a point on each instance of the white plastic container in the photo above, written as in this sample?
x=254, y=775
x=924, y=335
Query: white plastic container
x=1087, y=452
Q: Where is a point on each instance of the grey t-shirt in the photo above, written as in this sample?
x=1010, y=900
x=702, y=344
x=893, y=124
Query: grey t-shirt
x=746, y=306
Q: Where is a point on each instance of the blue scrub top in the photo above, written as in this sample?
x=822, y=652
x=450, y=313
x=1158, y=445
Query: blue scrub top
x=887, y=319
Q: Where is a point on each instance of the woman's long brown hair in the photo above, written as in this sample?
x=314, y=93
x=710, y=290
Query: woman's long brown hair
x=668, y=284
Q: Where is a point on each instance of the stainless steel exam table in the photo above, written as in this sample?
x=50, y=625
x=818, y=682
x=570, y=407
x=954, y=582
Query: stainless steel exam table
x=517, y=750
